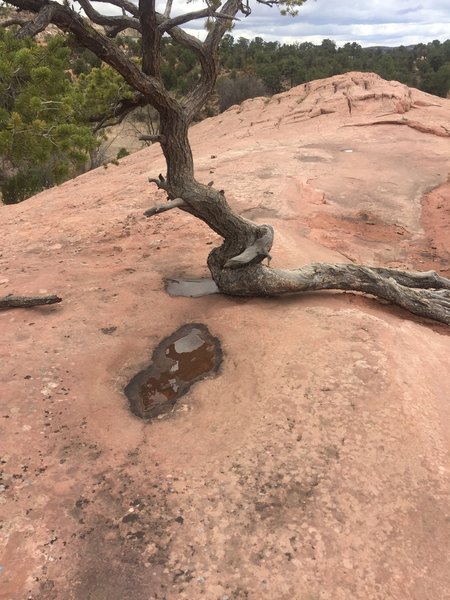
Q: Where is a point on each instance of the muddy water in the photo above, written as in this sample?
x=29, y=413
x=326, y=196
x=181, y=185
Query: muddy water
x=187, y=356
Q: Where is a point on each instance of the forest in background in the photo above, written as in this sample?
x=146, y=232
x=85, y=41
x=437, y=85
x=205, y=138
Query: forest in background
x=281, y=66
x=54, y=96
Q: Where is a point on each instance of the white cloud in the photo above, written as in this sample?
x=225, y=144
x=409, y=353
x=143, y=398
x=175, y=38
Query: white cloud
x=379, y=22
x=369, y=23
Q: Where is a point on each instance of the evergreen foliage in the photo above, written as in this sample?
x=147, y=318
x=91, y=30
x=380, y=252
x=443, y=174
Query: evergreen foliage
x=281, y=66
x=52, y=94
x=97, y=92
x=41, y=140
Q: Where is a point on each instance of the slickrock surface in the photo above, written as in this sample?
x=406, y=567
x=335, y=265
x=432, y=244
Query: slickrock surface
x=316, y=464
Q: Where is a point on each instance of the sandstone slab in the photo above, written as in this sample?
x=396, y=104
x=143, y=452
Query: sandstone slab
x=316, y=464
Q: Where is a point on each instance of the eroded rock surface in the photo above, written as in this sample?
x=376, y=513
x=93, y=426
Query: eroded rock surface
x=317, y=464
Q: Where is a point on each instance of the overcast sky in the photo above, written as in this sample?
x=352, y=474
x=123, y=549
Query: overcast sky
x=367, y=22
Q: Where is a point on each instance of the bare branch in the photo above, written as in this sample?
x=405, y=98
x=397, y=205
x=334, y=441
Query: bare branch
x=192, y=16
x=229, y=10
x=12, y=301
x=156, y=210
x=113, y=32
x=116, y=23
x=151, y=39
x=160, y=182
x=196, y=98
x=188, y=41
x=153, y=138
x=425, y=279
x=119, y=112
x=38, y=24
x=14, y=21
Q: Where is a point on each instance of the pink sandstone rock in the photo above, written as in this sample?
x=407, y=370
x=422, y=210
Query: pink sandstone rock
x=316, y=464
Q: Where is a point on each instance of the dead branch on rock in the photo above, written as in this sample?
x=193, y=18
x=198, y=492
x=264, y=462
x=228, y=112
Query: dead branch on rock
x=12, y=301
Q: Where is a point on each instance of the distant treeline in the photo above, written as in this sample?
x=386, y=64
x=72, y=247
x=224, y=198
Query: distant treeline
x=281, y=66
x=53, y=94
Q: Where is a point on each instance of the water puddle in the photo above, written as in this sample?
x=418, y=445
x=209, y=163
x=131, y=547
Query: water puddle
x=187, y=356
x=192, y=288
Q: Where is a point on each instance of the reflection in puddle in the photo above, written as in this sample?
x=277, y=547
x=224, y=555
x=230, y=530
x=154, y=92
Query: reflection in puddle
x=188, y=355
x=193, y=288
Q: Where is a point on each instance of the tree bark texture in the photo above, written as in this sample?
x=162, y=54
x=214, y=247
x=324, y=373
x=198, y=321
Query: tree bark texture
x=236, y=265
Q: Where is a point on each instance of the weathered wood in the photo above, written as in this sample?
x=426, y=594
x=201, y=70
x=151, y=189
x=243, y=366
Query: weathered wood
x=12, y=301
x=255, y=252
x=156, y=210
x=38, y=24
x=423, y=294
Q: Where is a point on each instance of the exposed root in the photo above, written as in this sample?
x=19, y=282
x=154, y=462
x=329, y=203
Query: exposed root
x=423, y=294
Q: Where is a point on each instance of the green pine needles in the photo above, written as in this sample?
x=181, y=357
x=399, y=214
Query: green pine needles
x=42, y=142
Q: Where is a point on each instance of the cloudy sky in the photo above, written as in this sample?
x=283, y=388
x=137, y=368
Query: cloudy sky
x=367, y=22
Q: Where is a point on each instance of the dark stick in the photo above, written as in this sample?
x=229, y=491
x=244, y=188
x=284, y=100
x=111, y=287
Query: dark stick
x=12, y=301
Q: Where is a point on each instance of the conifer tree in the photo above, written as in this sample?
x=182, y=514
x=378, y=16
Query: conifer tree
x=41, y=141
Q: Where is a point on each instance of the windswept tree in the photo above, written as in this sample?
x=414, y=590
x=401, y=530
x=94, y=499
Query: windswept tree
x=237, y=265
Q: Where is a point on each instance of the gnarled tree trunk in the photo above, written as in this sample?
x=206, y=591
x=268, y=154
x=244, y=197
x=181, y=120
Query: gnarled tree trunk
x=236, y=265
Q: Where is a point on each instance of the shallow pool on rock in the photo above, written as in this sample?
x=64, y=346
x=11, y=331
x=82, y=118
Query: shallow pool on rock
x=180, y=360
x=192, y=288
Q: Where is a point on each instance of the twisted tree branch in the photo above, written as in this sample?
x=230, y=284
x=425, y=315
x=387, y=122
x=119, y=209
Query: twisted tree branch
x=254, y=253
x=35, y=26
x=122, y=22
x=204, y=13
